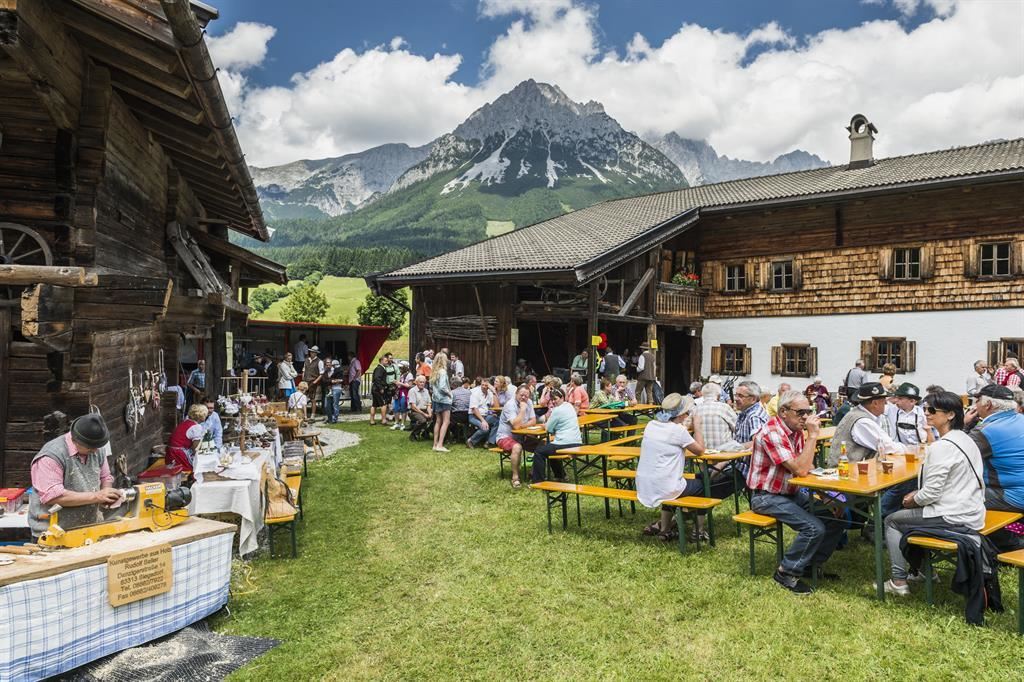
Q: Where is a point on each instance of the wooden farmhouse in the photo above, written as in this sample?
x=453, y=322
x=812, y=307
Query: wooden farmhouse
x=915, y=260
x=120, y=176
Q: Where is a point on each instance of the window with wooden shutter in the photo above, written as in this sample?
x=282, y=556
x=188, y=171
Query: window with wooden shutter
x=777, y=359
x=998, y=350
x=716, y=360
x=719, y=277
x=812, y=361
x=970, y=250
x=995, y=259
x=995, y=353
x=736, y=277
x=782, y=275
x=798, y=277
x=896, y=351
x=906, y=264
x=731, y=359
x=795, y=360
x=750, y=279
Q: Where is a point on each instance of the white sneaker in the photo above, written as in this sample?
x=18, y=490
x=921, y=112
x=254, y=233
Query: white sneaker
x=919, y=577
x=898, y=590
x=395, y=427
x=441, y=449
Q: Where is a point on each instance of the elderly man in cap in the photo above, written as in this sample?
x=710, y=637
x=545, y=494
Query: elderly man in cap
x=70, y=471
x=861, y=429
x=1000, y=437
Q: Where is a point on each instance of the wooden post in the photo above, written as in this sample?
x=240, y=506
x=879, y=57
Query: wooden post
x=591, y=333
x=243, y=408
x=5, y=346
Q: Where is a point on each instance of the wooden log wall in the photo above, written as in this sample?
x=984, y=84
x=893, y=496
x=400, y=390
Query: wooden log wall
x=837, y=249
x=479, y=357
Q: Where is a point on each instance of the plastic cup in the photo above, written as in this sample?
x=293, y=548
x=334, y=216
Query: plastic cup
x=886, y=467
x=911, y=457
x=863, y=467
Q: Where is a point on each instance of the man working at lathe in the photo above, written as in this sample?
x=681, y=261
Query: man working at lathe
x=70, y=471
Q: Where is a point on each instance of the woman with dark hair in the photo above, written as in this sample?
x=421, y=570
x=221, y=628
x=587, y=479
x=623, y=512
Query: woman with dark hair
x=950, y=492
x=563, y=430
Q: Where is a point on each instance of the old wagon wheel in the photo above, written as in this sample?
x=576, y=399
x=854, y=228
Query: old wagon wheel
x=20, y=245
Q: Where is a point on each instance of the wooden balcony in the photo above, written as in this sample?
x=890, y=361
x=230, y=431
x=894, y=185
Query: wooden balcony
x=678, y=302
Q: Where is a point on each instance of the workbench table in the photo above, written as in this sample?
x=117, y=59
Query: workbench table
x=55, y=610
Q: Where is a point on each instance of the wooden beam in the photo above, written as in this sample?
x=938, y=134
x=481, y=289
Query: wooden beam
x=480, y=308
x=138, y=47
x=60, y=275
x=177, y=106
x=637, y=292
x=593, y=301
x=35, y=39
x=5, y=374
x=137, y=17
x=111, y=56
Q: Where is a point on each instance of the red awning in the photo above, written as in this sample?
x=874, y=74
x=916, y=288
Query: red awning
x=369, y=342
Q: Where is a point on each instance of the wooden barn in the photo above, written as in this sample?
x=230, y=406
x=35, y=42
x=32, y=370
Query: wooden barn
x=120, y=177
x=915, y=260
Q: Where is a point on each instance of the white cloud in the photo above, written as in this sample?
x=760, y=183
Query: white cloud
x=955, y=79
x=242, y=47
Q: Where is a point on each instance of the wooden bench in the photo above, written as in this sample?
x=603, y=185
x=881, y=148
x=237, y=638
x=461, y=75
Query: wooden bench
x=318, y=450
x=557, y=494
x=274, y=522
x=628, y=428
x=994, y=520
x=761, y=526
x=294, y=483
x=1016, y=558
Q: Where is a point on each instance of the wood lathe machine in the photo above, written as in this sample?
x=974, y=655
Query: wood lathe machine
x=150, y=507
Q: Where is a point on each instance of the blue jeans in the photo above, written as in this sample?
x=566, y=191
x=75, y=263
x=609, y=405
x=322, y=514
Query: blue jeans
x=480, y=435
x=817, y=534
x=332, y=404
x=892, y=499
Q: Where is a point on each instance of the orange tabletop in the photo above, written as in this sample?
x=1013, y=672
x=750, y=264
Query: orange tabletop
x=585, y=420
x=720, y=456
x=866, y=485
x=602, y=450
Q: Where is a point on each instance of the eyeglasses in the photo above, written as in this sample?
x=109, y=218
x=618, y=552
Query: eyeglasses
x=803, y=413
x=932, y=410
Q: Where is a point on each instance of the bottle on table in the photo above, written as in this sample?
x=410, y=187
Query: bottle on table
x=844, y=461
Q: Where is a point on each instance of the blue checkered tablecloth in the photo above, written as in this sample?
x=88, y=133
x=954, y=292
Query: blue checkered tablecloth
x=55, y=624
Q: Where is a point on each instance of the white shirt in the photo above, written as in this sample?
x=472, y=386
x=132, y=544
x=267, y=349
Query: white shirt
x=301, y=350
x=285, y=374
x=297, y=401
x=458, y=369
x=420, y=397
x=868, y=433
x=195, y=432
x=976, y=382
x=659, y=474
x=951, y=485
x=641, y=361
x=478, y=400
x=895, y=416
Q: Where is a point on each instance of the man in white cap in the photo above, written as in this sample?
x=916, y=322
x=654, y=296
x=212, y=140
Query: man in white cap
x=72, y=471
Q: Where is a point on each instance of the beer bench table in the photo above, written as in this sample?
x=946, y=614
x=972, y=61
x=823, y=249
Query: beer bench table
x=55, y=607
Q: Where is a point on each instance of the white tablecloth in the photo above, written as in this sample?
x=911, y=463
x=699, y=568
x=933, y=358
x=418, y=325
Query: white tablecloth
x=242, y=497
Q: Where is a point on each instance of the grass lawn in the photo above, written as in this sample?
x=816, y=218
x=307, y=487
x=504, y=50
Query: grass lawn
x=418, y=565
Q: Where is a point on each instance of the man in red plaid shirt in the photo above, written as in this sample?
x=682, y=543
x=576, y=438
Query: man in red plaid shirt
x=781, y=452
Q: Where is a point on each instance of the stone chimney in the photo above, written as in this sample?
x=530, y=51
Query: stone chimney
x=862, y=138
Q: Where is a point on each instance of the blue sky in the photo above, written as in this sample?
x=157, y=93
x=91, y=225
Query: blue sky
x=312, y=31
x=754, y=78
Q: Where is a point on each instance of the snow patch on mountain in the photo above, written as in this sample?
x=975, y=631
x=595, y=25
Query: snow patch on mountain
x=489, y=171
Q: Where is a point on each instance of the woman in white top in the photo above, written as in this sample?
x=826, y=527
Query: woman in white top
x=286, y=374
x=659, y=474
x=950, y=488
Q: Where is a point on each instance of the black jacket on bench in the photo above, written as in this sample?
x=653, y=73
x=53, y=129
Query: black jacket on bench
x=977, y=574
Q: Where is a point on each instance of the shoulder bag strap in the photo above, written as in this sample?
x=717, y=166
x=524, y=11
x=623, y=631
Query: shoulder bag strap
x=967, y=457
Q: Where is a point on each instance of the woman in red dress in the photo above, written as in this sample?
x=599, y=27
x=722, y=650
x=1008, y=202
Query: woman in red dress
x=186, y=437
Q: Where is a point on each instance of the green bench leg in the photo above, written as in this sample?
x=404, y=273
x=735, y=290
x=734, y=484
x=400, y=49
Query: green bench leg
x=929, y=589
x=751, y=550
x=1020, y=601
x=779, y=548
x=681, y=526
x=711, y=527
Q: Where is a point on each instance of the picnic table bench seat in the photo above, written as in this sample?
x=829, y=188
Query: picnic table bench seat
x=1016, y=558
x=994, y=520
x=557, y=493
x=761, y=526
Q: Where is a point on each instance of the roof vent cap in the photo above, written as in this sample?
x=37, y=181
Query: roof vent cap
x=862, y=139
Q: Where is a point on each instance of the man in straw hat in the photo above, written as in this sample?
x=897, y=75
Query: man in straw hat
x=72, y=472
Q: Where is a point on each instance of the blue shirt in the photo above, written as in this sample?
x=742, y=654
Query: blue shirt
x=509, y=412
x=1000, y=437
x=213, y=427
x=750, y=422
x=562, y=421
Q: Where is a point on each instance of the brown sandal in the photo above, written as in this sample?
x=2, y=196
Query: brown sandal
x=653, y=529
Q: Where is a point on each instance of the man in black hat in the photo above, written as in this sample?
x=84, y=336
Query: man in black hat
x=72, y=472
x=861, y=430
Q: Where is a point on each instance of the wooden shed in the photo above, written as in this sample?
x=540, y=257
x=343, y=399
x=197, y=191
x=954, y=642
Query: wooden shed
x=120, y=177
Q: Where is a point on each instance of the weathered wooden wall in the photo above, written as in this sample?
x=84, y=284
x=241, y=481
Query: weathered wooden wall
x=837, y=248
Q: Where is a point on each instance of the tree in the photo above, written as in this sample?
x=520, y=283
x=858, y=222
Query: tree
x=305, y=304
x=261, y=299
x=379, y=311
x=314, y=278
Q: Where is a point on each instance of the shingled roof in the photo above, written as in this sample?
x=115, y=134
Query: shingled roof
x=568, y=241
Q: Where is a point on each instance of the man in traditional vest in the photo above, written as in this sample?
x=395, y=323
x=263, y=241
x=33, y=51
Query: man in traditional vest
x=70, y=471
x=611, y=365
x=312, y=374
x=861, y=429
x=647, y=372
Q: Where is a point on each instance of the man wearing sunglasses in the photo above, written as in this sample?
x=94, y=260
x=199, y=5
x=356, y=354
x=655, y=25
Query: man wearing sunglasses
x=780, y=452
x=861, y=428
